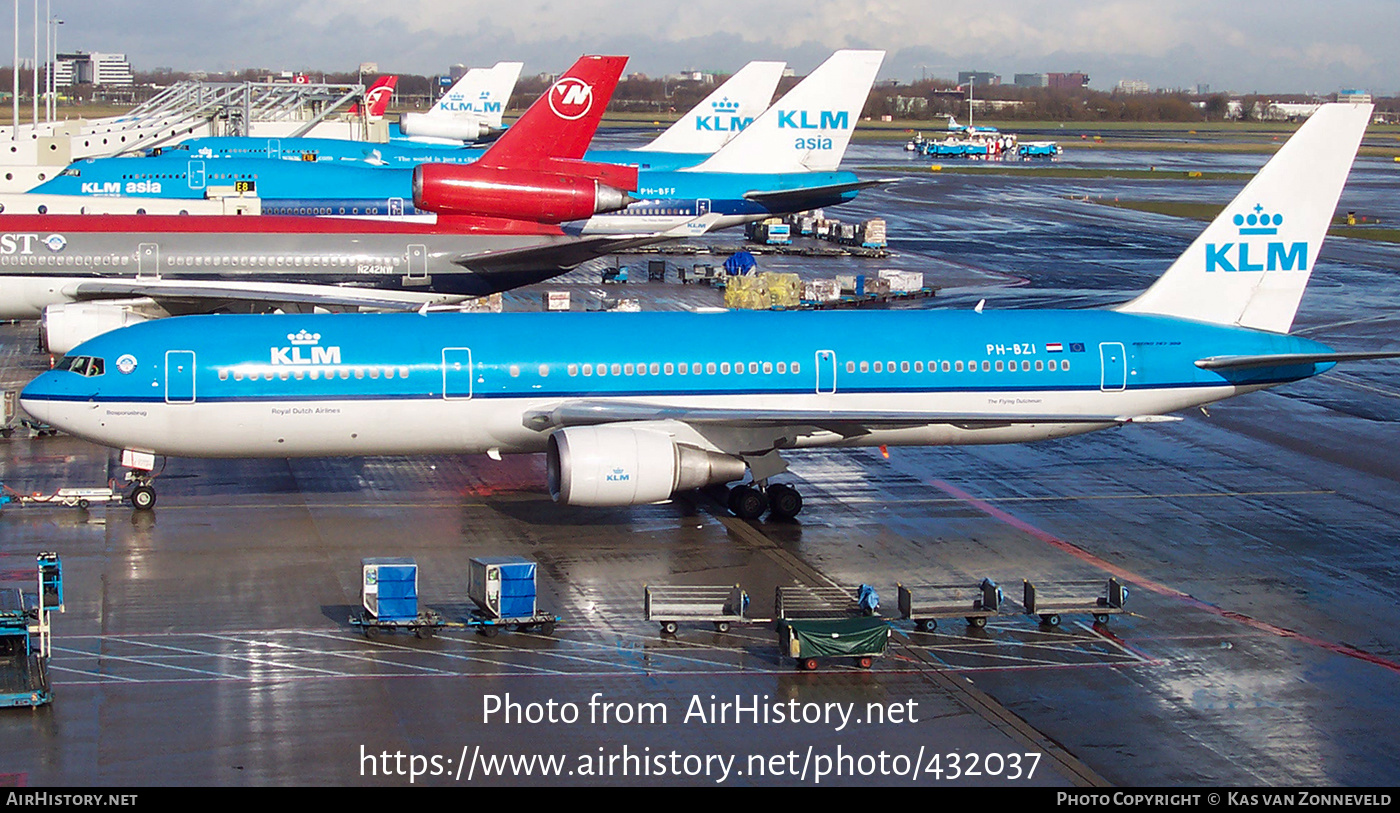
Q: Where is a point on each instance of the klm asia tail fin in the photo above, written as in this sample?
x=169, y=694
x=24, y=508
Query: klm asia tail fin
x=723, y=114
x=808, y=129
x=1251, y=264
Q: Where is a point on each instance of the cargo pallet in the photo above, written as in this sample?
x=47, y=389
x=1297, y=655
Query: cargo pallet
x=719, y=605
x=949, y=601
x=1102, y=607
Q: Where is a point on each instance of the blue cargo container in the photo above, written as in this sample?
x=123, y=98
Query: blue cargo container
x=389, y=588
x=503, y=586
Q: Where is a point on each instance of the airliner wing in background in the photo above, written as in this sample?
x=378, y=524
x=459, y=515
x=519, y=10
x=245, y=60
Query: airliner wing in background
x=564, y=256
x=179, y=296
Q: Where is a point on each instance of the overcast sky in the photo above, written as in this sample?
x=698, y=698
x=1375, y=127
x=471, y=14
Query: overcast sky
x=1244, y=46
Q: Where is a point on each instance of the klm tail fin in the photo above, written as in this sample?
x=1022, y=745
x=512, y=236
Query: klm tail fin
x=481, y=93
x=808, y=129
x=1251, y=264
x=723, y=114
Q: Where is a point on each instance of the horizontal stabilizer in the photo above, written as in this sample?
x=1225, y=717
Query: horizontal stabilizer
x=844, y=422
x=1288, y=359
x=797, y=200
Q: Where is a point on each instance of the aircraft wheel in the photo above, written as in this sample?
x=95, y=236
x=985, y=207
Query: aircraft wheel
x=746, y=502
x=785, y=500
x=143, y=498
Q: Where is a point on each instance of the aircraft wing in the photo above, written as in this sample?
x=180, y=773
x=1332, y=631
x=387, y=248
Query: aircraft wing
x=1288, y=359
x=185, y=293
x=843, y=422
x=562, y=255
x=798, y=200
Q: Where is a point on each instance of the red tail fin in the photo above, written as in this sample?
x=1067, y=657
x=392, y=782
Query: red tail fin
x=377, y=97
x=562, y=121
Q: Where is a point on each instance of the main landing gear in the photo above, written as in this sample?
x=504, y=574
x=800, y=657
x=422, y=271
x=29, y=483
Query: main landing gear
x=750, y=501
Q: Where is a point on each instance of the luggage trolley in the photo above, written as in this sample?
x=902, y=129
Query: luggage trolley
x=1109, y=604
x=949, y=601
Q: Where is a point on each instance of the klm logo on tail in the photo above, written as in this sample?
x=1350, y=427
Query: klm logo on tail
x=1273, y=255
x=455, y=104
x=724, y=120
x=808, y=120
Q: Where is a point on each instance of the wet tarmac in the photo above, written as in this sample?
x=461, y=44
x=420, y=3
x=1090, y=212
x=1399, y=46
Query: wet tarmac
x=206, y=642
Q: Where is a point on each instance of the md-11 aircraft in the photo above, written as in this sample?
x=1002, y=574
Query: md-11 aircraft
x=625, y=422
x=691, y=139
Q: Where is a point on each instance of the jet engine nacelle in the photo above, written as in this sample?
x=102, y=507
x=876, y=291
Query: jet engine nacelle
x=514, y=194
x=68, y=325
x=422, y=125
x=620, y=465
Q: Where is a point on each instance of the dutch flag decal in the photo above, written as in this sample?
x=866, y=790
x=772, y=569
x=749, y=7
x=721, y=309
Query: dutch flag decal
x=1054, y=347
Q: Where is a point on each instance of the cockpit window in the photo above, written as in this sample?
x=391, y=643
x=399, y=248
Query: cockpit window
x=71, y=171
x=82, y=365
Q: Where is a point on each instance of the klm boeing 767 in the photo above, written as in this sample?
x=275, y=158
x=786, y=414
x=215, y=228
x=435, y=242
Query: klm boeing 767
x=626, y=423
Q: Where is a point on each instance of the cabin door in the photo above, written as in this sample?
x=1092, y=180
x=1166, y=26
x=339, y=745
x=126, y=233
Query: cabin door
x=196, y=175
x=1115, y=367
x=456, y=373
x=826, y=372
x=179, y=376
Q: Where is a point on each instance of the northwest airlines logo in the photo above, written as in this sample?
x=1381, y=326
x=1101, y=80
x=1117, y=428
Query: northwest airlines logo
x=309, y=342
x=726, y=118
x=571, y=98
x=1273, y=255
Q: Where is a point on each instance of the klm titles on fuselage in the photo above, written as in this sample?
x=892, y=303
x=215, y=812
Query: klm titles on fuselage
x=293, y=354
x=115, y=188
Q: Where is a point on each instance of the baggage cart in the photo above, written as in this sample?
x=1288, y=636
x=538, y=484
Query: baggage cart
x=803, y=602
x=1050, y=609
x=924, y=605
x=720, y=605
x=809, y=642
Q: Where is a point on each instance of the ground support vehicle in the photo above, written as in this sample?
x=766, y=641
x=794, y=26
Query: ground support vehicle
x=924, y=605
x=1050, y=609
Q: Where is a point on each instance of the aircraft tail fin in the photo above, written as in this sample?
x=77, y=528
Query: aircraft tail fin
x=481, y=93
x=377, y=97
x=1251, y=264
x=562, y=121
x=724, y=113
x=808, y=129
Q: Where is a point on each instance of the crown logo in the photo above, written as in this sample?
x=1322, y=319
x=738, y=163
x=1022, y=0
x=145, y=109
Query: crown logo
x=725, y=106
x=304, y=338
x=1258, y=222
x=485, y=94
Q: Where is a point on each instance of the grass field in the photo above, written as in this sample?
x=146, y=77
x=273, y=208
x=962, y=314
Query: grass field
x=1208, y=212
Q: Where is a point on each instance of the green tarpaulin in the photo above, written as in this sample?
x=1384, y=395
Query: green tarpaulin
x=847, y=637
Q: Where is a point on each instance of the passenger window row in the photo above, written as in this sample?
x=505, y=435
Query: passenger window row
x=285, y=373
x=949, y=366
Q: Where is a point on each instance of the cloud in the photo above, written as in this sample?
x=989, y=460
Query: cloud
x=1276, y=45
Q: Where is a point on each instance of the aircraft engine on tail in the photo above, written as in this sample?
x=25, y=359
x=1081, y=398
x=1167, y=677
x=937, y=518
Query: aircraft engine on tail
x=541, y=196
x=620, y=465
x=422, y=125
